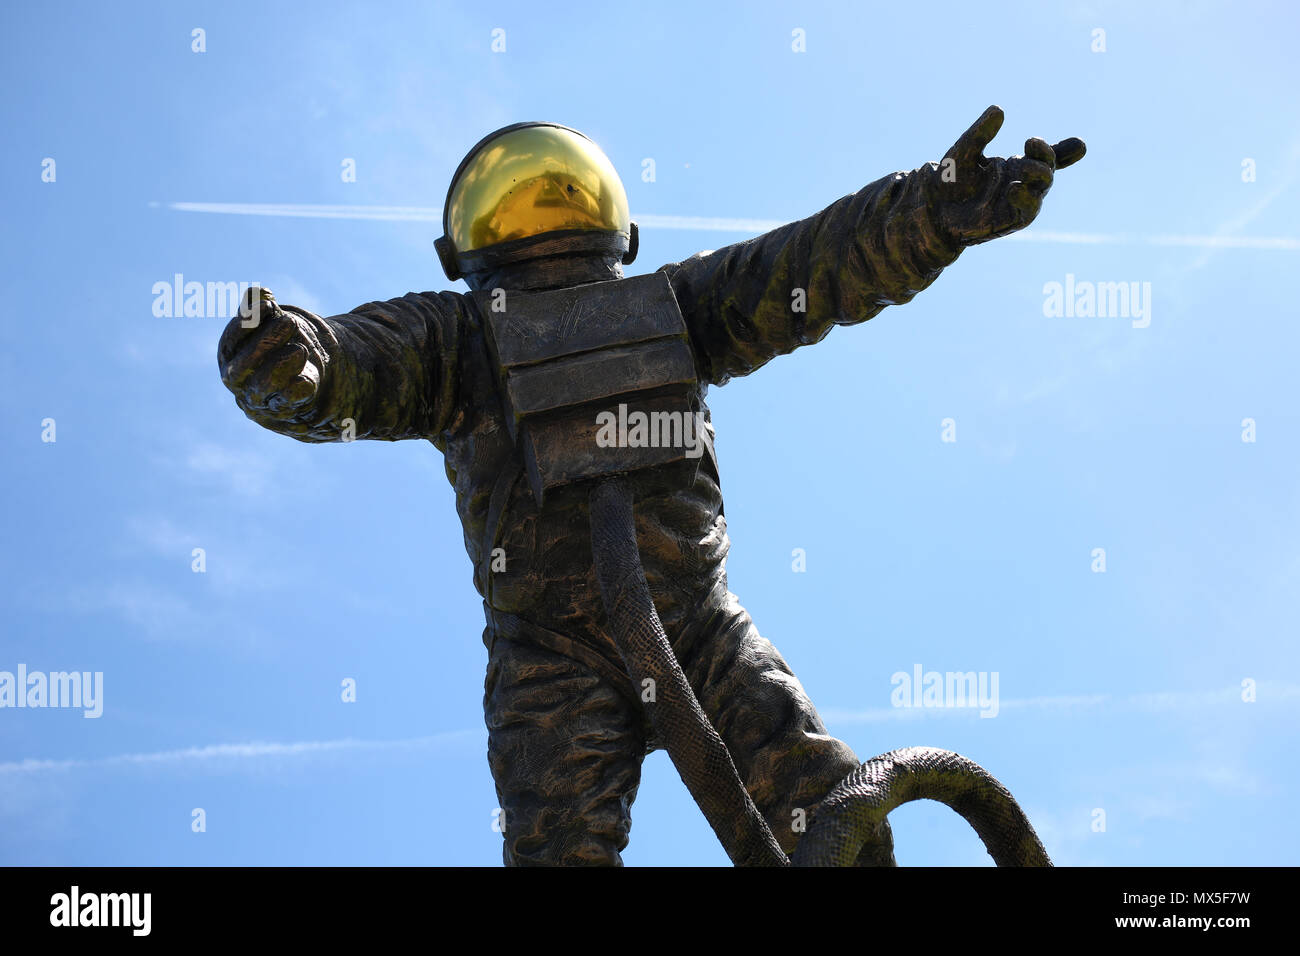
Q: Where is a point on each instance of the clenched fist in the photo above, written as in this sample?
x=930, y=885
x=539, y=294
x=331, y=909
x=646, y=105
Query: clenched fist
x=976, y=198
x=271, y=358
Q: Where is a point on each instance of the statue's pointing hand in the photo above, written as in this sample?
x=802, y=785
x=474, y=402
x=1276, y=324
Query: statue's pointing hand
x=270, y=358
x=977, y=198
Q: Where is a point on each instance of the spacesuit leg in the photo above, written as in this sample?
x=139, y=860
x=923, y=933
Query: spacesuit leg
x=779, y=744
x=565, y=750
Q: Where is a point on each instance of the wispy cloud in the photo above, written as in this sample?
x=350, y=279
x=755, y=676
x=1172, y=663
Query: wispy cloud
x=724, y=224
x=233, y=754
x=151, y=611
x=246, y=472
x=233, y=574
x=160, y=535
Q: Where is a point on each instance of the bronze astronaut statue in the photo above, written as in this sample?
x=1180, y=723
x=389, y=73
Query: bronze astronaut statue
x=537, y=223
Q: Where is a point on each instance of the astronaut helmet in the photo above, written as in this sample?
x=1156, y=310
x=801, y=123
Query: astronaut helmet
x=532, y=190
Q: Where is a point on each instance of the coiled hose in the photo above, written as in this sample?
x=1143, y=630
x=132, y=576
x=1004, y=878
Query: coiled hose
x=849, y=826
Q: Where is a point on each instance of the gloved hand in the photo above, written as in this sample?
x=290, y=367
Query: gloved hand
x=271, y=359
x=975, y=198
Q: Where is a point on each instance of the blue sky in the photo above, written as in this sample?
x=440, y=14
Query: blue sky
x=1119, y=691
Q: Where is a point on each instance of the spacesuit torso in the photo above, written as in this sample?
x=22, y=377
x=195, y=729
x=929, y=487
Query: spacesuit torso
x=533, y=564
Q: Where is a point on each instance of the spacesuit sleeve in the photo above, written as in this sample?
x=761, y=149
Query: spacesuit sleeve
x=392, y=369
x=876, y=247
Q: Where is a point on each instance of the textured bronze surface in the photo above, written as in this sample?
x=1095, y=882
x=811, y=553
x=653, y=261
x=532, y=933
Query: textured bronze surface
x=567, y=358
x=528, y=329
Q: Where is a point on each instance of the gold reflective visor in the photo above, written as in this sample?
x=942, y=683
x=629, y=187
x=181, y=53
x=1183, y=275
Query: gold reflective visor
x=533, y=180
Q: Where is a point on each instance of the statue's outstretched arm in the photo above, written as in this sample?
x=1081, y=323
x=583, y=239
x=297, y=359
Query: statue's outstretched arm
x=386, y=370
x=749, y=302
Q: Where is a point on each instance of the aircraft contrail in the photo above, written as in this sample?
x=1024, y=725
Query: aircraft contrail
x=723, y=224
x=241, y=751
x=1270, y=692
